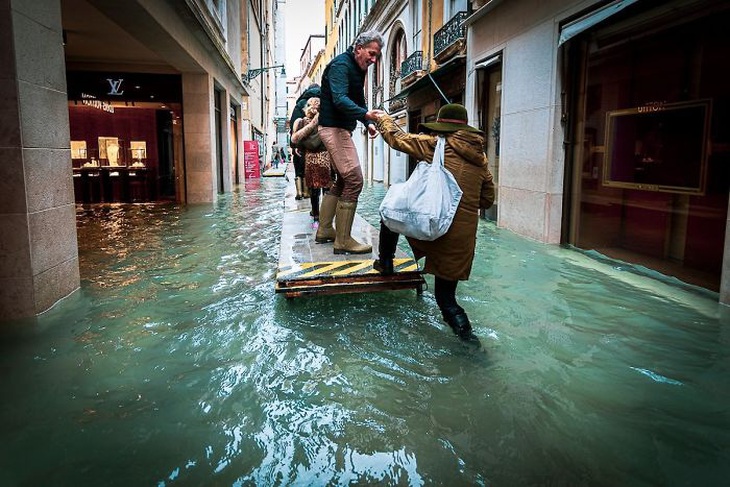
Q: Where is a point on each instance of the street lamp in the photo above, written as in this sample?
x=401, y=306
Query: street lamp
x=252, y=73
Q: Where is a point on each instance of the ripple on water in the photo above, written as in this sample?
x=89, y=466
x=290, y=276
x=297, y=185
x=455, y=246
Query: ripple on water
x=176, y=364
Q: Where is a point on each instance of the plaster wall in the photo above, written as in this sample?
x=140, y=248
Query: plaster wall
x=531, y=150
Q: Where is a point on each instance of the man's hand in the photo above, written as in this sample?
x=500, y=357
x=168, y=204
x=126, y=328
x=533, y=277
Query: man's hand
x=374, y=115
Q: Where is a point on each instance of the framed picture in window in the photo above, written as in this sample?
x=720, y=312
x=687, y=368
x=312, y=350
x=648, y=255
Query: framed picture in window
x=659, y=147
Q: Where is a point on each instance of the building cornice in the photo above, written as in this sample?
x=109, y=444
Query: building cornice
x=383, y=15
x=484, y=10
x=214, y=33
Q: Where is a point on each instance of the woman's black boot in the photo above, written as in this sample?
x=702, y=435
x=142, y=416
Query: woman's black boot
x=314, y=198
x=459, y=322
x=386, y=250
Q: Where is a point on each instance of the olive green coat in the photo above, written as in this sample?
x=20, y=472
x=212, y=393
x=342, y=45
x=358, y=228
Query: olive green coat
x=450, y=256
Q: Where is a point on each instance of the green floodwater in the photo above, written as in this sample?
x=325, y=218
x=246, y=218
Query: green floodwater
x=175, y=364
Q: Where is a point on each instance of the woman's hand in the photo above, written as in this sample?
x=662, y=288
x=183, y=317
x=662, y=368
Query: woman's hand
x=374, y=115
x=372, y=131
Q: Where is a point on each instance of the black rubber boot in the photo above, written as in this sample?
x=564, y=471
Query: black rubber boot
x=459, y=322
x=386, y=248
x=314, y=197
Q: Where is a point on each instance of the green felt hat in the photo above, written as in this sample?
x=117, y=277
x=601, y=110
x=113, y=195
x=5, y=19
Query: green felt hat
x=451, y=117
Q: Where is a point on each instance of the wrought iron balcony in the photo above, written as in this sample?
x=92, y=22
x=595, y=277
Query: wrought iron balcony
x=413, y=63
x=452, y=32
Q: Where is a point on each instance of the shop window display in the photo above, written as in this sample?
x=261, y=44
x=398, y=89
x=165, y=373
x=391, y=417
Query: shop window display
x=138, y=148
x=78, y=150
x=653, y=159
x=120, y=164
x=109, y=151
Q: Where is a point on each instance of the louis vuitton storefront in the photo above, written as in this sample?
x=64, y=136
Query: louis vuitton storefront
x=126, y=136
x=108, y=84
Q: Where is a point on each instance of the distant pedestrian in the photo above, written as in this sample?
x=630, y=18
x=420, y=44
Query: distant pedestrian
x=275, y=155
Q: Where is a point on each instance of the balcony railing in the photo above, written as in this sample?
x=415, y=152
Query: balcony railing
x=452, y=31
x=413, y=63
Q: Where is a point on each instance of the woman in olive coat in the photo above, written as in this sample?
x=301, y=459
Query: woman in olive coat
x=449, y=257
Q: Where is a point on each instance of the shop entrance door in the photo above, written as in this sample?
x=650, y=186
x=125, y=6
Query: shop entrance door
x=489, y=106
x=166, y=160
x=219, y=139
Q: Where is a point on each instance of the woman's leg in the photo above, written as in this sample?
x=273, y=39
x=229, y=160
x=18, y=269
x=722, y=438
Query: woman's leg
x=348, y=186
x=387, y=243
x=314, y=197
x=445, y=292
x=453, y=314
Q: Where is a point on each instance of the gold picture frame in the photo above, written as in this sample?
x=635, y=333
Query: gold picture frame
x=658, y=147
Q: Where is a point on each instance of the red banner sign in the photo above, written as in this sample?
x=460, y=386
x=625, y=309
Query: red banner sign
x=251, y=167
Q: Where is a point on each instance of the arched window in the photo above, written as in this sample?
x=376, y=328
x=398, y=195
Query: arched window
x=378, y=90
x=398, y=54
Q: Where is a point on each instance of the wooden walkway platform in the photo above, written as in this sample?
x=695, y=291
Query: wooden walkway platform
x=307, y=268
x=276, y=171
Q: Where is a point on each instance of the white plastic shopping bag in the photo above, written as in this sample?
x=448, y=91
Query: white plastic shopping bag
x=424, y=206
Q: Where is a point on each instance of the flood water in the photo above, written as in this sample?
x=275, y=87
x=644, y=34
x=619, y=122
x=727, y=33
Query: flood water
x=175, y=364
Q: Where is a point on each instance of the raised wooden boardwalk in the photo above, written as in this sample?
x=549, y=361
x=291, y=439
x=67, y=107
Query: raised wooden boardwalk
x=307, y=268
x=276, y=172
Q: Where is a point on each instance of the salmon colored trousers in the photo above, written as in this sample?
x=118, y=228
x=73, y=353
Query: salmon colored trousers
x=348, y=184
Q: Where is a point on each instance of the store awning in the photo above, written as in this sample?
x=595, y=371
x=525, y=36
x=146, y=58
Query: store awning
x=485, y=63
x=431, y=78
x=572, y=29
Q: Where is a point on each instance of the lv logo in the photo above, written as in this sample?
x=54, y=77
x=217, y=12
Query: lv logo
x=114, y=85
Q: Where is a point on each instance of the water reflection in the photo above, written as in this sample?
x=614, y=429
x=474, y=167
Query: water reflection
x=176, y=364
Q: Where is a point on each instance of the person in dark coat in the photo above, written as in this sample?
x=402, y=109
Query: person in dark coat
x=449, y=257
x=297, y=158
x=317, y=160
x=342, y=105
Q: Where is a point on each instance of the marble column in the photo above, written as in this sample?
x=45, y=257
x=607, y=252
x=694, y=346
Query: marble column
x=38, y=246
x=199, y=130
